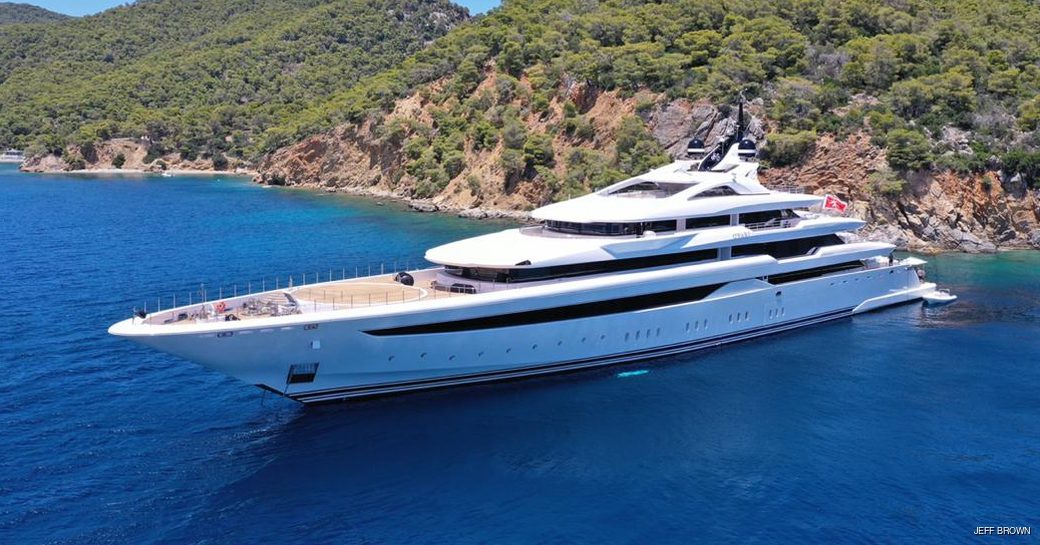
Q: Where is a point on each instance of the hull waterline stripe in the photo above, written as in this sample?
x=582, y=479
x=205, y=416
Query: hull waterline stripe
x=506, y=374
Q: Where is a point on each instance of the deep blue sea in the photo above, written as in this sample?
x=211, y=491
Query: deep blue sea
x=905, y=425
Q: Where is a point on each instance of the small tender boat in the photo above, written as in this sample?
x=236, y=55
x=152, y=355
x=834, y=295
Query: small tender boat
x=939, y=297
x=166, y=174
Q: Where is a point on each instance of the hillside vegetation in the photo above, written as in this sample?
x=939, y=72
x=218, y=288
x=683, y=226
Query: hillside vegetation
x=12, y=13
x=943, y=84
x=198, y=77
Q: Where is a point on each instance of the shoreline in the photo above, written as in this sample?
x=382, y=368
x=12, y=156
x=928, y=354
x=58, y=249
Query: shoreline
x=171, y=171
x=425, y=206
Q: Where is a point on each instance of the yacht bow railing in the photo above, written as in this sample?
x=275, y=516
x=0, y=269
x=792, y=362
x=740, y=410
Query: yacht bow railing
x=214, y=302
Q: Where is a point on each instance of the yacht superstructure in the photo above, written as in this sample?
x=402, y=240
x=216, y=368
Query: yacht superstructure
x=12, y=156
x=691, y=255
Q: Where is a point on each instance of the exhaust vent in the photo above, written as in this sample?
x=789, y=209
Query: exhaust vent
x=301, y=373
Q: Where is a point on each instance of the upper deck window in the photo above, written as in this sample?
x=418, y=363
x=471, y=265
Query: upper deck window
x=649, y=190
x=705, y=222
x=781, y=249
x=720, y=191
x=610, y=229
x=524, y=274
x=766, y=215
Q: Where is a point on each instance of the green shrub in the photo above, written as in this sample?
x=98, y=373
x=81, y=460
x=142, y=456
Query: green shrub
x=538, y=150
x=512, y=163
x=908, y=150
x=1023, y=163
x=119, y=160
x=514, y=135
x=635, y=150
x=220, y=162
x=484, y=135
x=454, y=162
x=788, y=149
x=76, y=162
x=887, y=182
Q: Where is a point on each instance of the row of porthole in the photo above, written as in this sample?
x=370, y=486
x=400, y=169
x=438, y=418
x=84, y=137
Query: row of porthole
x=739, y=317
x=639, y=334
x=777, y=312
x=697, y=325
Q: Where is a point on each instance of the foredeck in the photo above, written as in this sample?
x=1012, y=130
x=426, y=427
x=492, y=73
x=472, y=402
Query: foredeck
x=335, y=295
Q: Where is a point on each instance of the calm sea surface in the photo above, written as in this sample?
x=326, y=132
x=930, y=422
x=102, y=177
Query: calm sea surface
x=900, y=425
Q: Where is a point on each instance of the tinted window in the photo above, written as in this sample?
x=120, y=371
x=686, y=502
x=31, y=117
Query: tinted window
x=610, y=229
x=721, y=191
x=580, y=269
x=786, y=248
x=765, y=215
x=702, y=223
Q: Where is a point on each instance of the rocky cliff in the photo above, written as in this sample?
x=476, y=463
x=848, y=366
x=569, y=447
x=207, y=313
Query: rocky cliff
x=927, y=211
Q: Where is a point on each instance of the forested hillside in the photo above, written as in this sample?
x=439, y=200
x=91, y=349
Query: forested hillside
x=198, y=77
x=943, y=83
x=12, y=13
x=543, y=99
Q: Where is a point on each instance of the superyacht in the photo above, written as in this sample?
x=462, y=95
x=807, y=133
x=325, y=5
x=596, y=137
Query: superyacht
x=691, y=255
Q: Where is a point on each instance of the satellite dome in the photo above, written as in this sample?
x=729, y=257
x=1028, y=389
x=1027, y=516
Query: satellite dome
x=695, y=146
x=746, y=147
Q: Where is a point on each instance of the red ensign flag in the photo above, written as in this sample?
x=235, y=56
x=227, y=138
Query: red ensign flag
x=834, y=203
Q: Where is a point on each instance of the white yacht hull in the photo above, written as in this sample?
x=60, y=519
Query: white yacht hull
x=354, y=362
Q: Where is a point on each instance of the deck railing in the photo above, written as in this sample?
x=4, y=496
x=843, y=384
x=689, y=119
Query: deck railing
x=773, y=224
x=787, y=188
x=239, y=294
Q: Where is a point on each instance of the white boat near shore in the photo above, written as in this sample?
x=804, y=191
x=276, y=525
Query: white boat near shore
x=12, y=156
x=691, y=255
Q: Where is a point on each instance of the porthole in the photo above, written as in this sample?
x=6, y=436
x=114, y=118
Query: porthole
x=451, y=358
x=731, y=318
x=637, y=334
x=583, y=339
x=687, y=326
x=559, y=343
x=534, y=347
x=508, y=350
x=602, y=337
x=423, y=355
x=745, y=315
x=391, y=358
x=626, y=337
x=480, y=354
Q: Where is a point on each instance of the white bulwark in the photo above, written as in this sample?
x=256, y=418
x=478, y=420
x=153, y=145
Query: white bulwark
x=691, y=255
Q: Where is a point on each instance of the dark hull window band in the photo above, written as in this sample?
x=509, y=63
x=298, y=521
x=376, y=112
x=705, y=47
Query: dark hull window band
x=813, y=273
x=787, y=248
x=558, y=314
x=580, y=269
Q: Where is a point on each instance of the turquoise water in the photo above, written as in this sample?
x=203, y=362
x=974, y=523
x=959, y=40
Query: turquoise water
x=900, y=425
